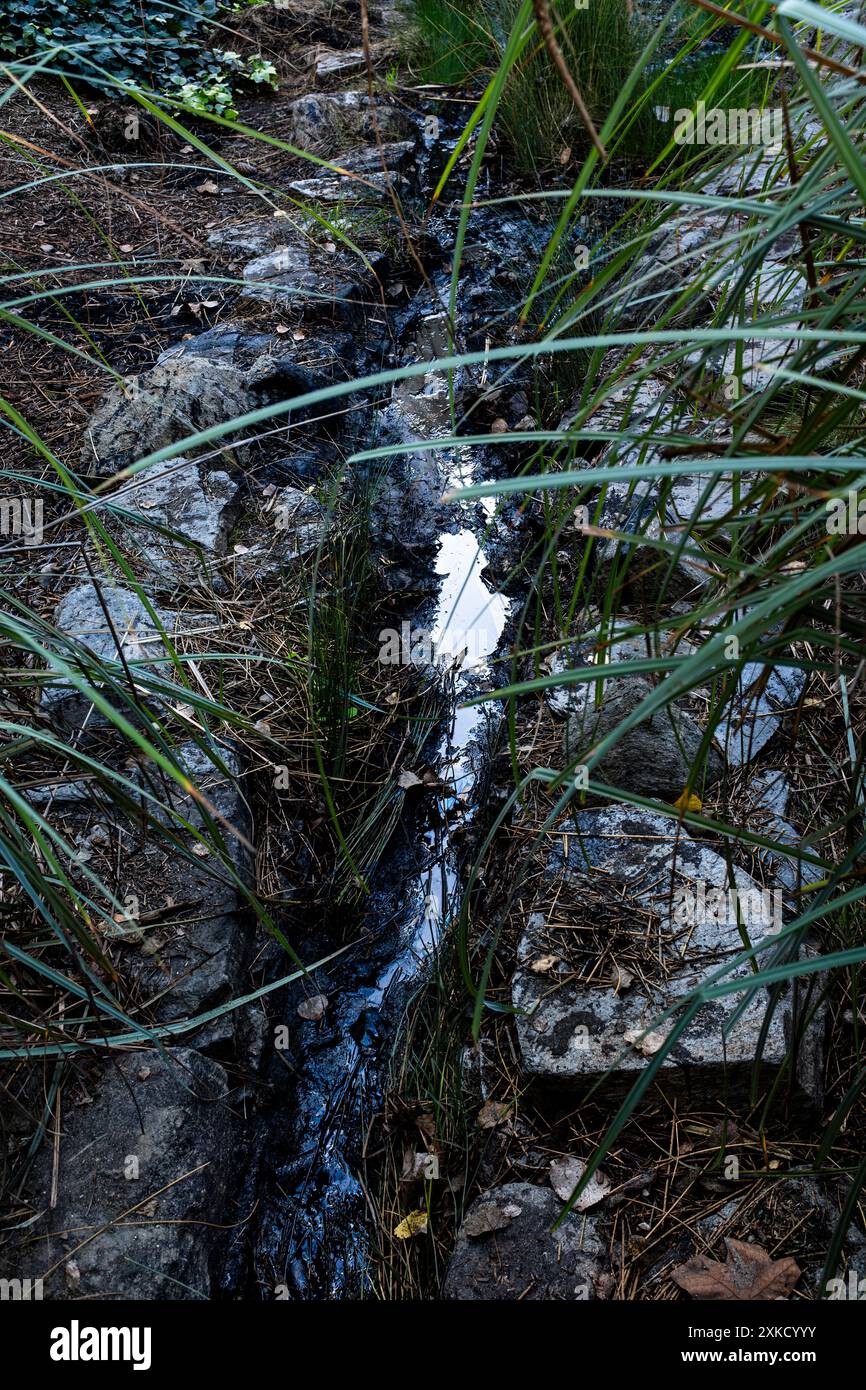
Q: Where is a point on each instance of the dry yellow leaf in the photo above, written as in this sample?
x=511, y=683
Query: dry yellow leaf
x=415, y=1224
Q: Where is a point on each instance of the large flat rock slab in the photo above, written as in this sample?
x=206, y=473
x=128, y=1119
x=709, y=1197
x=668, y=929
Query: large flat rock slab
x=506, y=1250
x=634, y=913
x=146, y=1161
x=182, y=944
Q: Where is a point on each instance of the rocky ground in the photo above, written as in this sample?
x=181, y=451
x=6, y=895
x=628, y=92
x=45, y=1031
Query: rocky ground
x=213, y=1156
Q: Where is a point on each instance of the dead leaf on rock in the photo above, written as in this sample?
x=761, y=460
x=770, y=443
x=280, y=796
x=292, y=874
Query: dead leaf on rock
x=544, y=964
x=419, y=1167
x=566, y=1173
x=314, y=1008
x=749, y=1273
x=483, y=1220
x=646, y=1042
x=415, y=1224
x=492, y=1113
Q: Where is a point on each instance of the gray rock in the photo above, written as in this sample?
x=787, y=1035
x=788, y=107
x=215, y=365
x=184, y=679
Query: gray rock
x=656, y=758
x=323, y=189
x=253, y=236
x=152, y=1131
x=177, y=496
x=333, y=64
x=294, y=525
x=768, y=794
x=186, y=938
x=196, y=959
x=650, y=870
x=397, y=154
x=292, y=265
x=643, y=573
x=645, y=400
x=753, y=718
x=522, y=1257
x=307, y=278
x=771, y=792
x=165, y=404
x=327, y=123
x=118, y=624
x=407, y=507
x=604, y=646
x=676, y=254
x=690, y=498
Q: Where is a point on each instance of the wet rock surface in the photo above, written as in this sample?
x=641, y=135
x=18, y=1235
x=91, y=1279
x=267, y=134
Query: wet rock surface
x=506, y=1250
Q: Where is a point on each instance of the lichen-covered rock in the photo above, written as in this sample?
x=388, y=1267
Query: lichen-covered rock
x=116, y=626
x=757, y=710
x=506, y=1250
x=148, y=1157
x=194, y=958
x=295, y=265
x=671, y=923
x=327, y=123
x=184, y=938
x=294, y=524
x=200, y=506
x=641, y=572
x=163, y=405
x=308, y=279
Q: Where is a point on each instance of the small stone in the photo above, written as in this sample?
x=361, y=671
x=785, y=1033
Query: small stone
x=506, y=1249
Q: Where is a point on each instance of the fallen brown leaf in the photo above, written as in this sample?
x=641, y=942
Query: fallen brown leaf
x=492, y=1113
x=748, y=1274
x=489, y=1218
